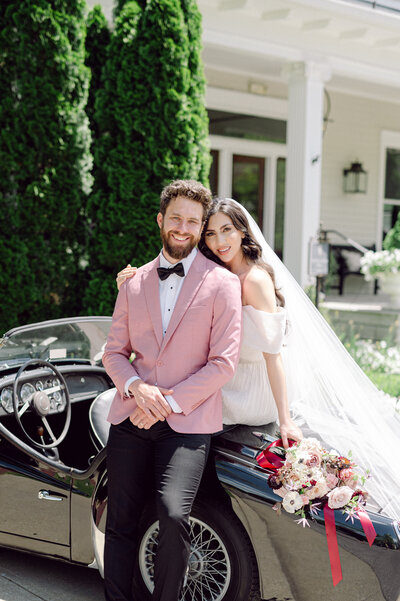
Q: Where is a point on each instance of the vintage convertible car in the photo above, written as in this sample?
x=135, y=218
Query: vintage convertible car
x=54, y=394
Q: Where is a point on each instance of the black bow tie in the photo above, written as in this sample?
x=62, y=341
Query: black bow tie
x=164, y=272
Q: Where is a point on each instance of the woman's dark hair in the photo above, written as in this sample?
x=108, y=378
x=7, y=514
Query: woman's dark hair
x=250, y=247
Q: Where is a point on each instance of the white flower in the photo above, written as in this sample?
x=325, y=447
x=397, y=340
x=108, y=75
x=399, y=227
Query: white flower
x=380, y=262
x=292, y=502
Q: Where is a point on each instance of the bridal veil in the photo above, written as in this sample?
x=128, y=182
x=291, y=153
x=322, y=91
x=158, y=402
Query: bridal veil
x=330, y=396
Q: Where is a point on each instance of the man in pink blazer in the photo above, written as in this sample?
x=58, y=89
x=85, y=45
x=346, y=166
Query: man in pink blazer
x=181, y=317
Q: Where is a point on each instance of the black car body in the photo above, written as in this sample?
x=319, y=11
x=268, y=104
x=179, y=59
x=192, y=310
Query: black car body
x=53, y=487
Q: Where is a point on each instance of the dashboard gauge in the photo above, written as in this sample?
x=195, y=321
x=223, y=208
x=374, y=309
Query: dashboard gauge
x=48, y=384
x=6, y=399
x=59, y=401
x=27, y=392
x=56, y=382
x=39, y=385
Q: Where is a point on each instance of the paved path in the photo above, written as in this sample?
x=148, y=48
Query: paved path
x=28, y=578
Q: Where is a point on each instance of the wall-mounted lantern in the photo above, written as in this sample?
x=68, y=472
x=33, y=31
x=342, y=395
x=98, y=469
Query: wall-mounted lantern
x=355, y=179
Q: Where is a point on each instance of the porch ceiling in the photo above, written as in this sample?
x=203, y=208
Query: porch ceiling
x=258, y=37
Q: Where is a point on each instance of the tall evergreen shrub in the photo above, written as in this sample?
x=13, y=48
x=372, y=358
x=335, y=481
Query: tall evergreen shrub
x=44, y=158
x=97, y=40
x=154, y=130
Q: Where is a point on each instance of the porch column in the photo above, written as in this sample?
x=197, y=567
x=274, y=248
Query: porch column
x=303, y=168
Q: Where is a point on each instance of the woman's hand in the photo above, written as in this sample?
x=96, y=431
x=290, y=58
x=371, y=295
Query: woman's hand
x=126, y=273
x=289, y=429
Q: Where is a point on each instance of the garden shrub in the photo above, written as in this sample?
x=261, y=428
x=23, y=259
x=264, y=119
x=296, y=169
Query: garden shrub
x=45, y=161
x=153, y=129
x=392, y=238
x=97, y=40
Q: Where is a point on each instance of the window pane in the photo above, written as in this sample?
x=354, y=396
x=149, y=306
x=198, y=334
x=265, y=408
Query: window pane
x=246, y=126
x=248, y=184
x=214, y=172
x=279, y=206
x=392, y=179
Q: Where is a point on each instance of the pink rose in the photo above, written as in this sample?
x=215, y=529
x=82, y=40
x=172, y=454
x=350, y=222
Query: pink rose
x=339, y=497
x=314, y=459
x=331, y=480
x=317, y=491
x=347, y=475
x=305, y=499
x=312, y=446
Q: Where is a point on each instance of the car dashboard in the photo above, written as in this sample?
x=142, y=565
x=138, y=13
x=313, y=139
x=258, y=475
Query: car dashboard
x=84, y=382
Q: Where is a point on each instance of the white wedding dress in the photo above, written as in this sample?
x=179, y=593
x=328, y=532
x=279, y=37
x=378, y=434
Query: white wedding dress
x=247, y=398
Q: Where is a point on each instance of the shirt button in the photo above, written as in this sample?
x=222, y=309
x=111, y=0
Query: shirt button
x=159, y=363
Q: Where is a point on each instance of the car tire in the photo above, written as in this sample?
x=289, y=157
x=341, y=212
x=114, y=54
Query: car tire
x=222, y=565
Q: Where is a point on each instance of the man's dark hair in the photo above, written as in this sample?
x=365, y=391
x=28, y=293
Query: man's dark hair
x=188, y=188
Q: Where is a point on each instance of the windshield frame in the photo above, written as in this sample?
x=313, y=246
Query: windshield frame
x=52, y=323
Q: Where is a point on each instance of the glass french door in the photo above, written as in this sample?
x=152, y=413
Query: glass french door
x=248, y=184
x=256, y=181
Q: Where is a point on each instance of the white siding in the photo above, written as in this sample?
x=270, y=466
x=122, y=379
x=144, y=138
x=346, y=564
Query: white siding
x=354, y=134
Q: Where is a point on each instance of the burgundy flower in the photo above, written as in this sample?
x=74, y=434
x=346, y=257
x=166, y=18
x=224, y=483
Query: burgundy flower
x=274, y=482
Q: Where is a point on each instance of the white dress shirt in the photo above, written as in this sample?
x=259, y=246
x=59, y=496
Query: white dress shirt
x=169, y=291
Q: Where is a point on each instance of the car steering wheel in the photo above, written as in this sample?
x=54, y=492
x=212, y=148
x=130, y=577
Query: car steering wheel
x=39, y=402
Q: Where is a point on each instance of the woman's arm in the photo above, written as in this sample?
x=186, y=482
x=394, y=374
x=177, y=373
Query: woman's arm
x=123, y=275
x=259, y=292
x=277, y=380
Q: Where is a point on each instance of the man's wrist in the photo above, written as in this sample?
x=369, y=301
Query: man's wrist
x=133, y=386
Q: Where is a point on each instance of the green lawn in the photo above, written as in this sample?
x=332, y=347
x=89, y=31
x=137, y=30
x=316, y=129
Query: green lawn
x=389, y=383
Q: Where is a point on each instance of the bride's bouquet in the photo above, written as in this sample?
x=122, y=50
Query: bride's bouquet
x=312, y=477
x=309, y=479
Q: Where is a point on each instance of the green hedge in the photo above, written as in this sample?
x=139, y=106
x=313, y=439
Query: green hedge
x=45, y=161
x=97, y=40
x=153, y=129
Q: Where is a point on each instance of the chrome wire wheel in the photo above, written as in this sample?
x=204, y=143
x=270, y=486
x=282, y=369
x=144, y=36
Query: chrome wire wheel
x=209, y=570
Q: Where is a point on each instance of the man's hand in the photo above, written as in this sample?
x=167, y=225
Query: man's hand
x=150, y=399
x=141, y=420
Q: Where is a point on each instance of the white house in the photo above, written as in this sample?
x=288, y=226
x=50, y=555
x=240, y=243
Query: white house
x=298, y=91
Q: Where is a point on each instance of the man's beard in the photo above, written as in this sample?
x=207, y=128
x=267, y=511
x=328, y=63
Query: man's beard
x=178, y=252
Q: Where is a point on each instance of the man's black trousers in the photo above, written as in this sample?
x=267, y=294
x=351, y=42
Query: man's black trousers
x=171, y=464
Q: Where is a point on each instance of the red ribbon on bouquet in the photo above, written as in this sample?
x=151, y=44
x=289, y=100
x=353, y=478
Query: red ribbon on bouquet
x=270, y=460
x=333, y=549
x=367, y=525
x=331, y=537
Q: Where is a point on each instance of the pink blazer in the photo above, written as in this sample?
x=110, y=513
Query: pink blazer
x=198, y=353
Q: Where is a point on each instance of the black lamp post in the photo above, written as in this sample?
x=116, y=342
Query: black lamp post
x=355, y=179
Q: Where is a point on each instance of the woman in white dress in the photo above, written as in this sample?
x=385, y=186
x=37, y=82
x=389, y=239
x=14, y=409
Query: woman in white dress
x=290, y=352
x=257, y=393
